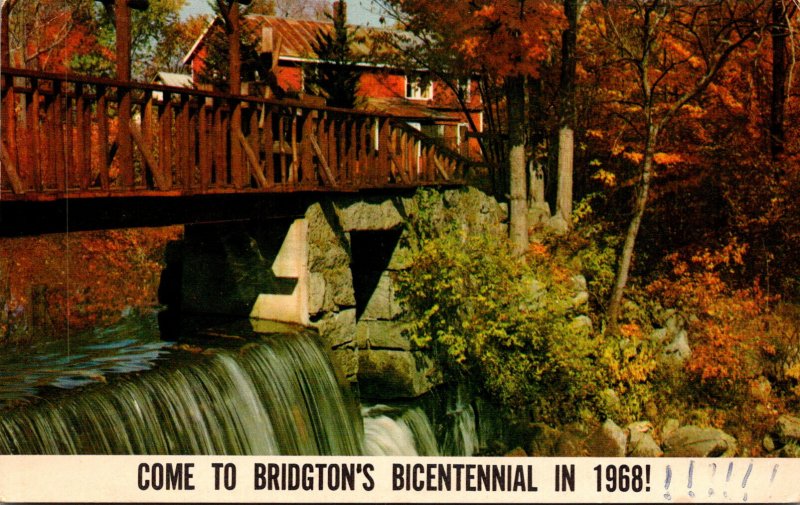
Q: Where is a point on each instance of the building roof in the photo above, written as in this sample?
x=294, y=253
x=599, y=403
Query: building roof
x=175, y=80
x=409, y=110
x=298, y=36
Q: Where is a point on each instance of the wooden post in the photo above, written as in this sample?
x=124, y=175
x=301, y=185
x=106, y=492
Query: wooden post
x=125, y=151
x=235, y=88
x=5, y=38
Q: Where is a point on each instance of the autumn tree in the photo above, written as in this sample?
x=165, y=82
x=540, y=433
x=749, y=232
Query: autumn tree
x=504, y=43
x=43, y=34
x=656, y=58
x=150, y=28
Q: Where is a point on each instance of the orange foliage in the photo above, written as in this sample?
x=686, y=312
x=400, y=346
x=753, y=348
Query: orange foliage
x=91, y=277
x=727, y=331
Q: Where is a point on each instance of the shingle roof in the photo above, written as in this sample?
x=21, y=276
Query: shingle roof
x=298, y=35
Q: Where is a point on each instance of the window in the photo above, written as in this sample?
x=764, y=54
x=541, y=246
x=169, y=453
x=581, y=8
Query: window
x=464, y=86
x=418, y=88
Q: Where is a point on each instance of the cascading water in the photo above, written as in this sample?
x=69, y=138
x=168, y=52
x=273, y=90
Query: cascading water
x=279, y=396
x=268, y=389
x=462, y=438
x=391, y=432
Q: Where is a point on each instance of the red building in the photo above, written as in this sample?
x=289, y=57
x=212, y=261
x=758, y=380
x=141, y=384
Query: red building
x=431, y=107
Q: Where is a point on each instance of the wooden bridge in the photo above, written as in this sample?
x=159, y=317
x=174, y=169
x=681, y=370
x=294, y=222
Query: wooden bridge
x=63, y=139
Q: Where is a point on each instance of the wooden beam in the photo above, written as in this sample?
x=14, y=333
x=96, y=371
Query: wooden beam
x=322, y=161
x=11, y=171
x=439, y=167
x=253, y=159
x=158, y=176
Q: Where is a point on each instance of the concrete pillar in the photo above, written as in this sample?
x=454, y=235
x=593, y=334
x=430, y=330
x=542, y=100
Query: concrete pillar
x=291, y=262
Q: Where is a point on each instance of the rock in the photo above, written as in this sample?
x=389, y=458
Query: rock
x=659, y=335
x=382, y=335
x=316, y=293
x=789, y=451
x=768, y=443
x=579, y=283
x=761, y=389
x=669, y=426
x=370, y=215
x=544, y=440
x=517, y=452
x=608, y=441
x=580, y=299
x=403, y=254
x=382, y=304
x=610, y=400
x=678, y=351
x=388, y=374
x=557, y=225
x=538, y=214
x=571, y=443
x=339, y=290
x=788, y=429
x=345, y=363
x=581, y=324
x=337, y=328
x=327, y=248
x=641, y=443
x=693, y=441
x=674, y=323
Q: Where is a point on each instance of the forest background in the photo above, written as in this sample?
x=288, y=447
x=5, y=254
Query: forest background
x=662, y=133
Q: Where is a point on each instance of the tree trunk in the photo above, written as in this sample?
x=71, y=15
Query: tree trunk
x=518, y=207
x=123, y=48
x=624, y=266
x=565, y=164
x=779, y=31
x=567, y=112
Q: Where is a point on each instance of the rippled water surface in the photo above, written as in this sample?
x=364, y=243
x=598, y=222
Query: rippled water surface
x=132, y=345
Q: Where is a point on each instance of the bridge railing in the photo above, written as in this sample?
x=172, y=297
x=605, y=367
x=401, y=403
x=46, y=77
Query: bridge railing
x=61, y=137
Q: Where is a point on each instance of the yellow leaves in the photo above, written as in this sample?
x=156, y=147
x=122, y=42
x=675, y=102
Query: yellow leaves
x=606, y=178
x=633, y=156
x=667, y=158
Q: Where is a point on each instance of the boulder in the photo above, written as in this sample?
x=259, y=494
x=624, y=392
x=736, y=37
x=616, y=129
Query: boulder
x=544, y=440
x=768, y=443
x=608, y=441
x=382, y=335
x=370, y=215
x=693, y=441
x=640, y=441
x=558, y=225
x=581, y=324
x=328, y=249
x=388, y=374
x=538, y=214
x=337, y=328
x=669, y=426
x=678, y=350
x=788, y=429
x=383, y=303
x=517, y=452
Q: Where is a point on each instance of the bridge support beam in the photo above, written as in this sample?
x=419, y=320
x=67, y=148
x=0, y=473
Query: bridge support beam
x=255, y=269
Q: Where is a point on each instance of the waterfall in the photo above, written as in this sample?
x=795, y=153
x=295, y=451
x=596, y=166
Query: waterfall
x=277, y=396
x=462, y=437
x=395, y=432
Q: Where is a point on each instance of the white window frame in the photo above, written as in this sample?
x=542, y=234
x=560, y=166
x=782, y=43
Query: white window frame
x=415, y=92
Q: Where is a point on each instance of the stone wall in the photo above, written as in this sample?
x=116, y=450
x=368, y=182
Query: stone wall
x=366, y=336
x=334, y=269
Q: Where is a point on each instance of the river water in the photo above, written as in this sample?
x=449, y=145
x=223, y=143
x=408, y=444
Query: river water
x=124, y=390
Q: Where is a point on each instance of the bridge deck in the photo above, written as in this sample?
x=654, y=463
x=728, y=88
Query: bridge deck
x=62, y=139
